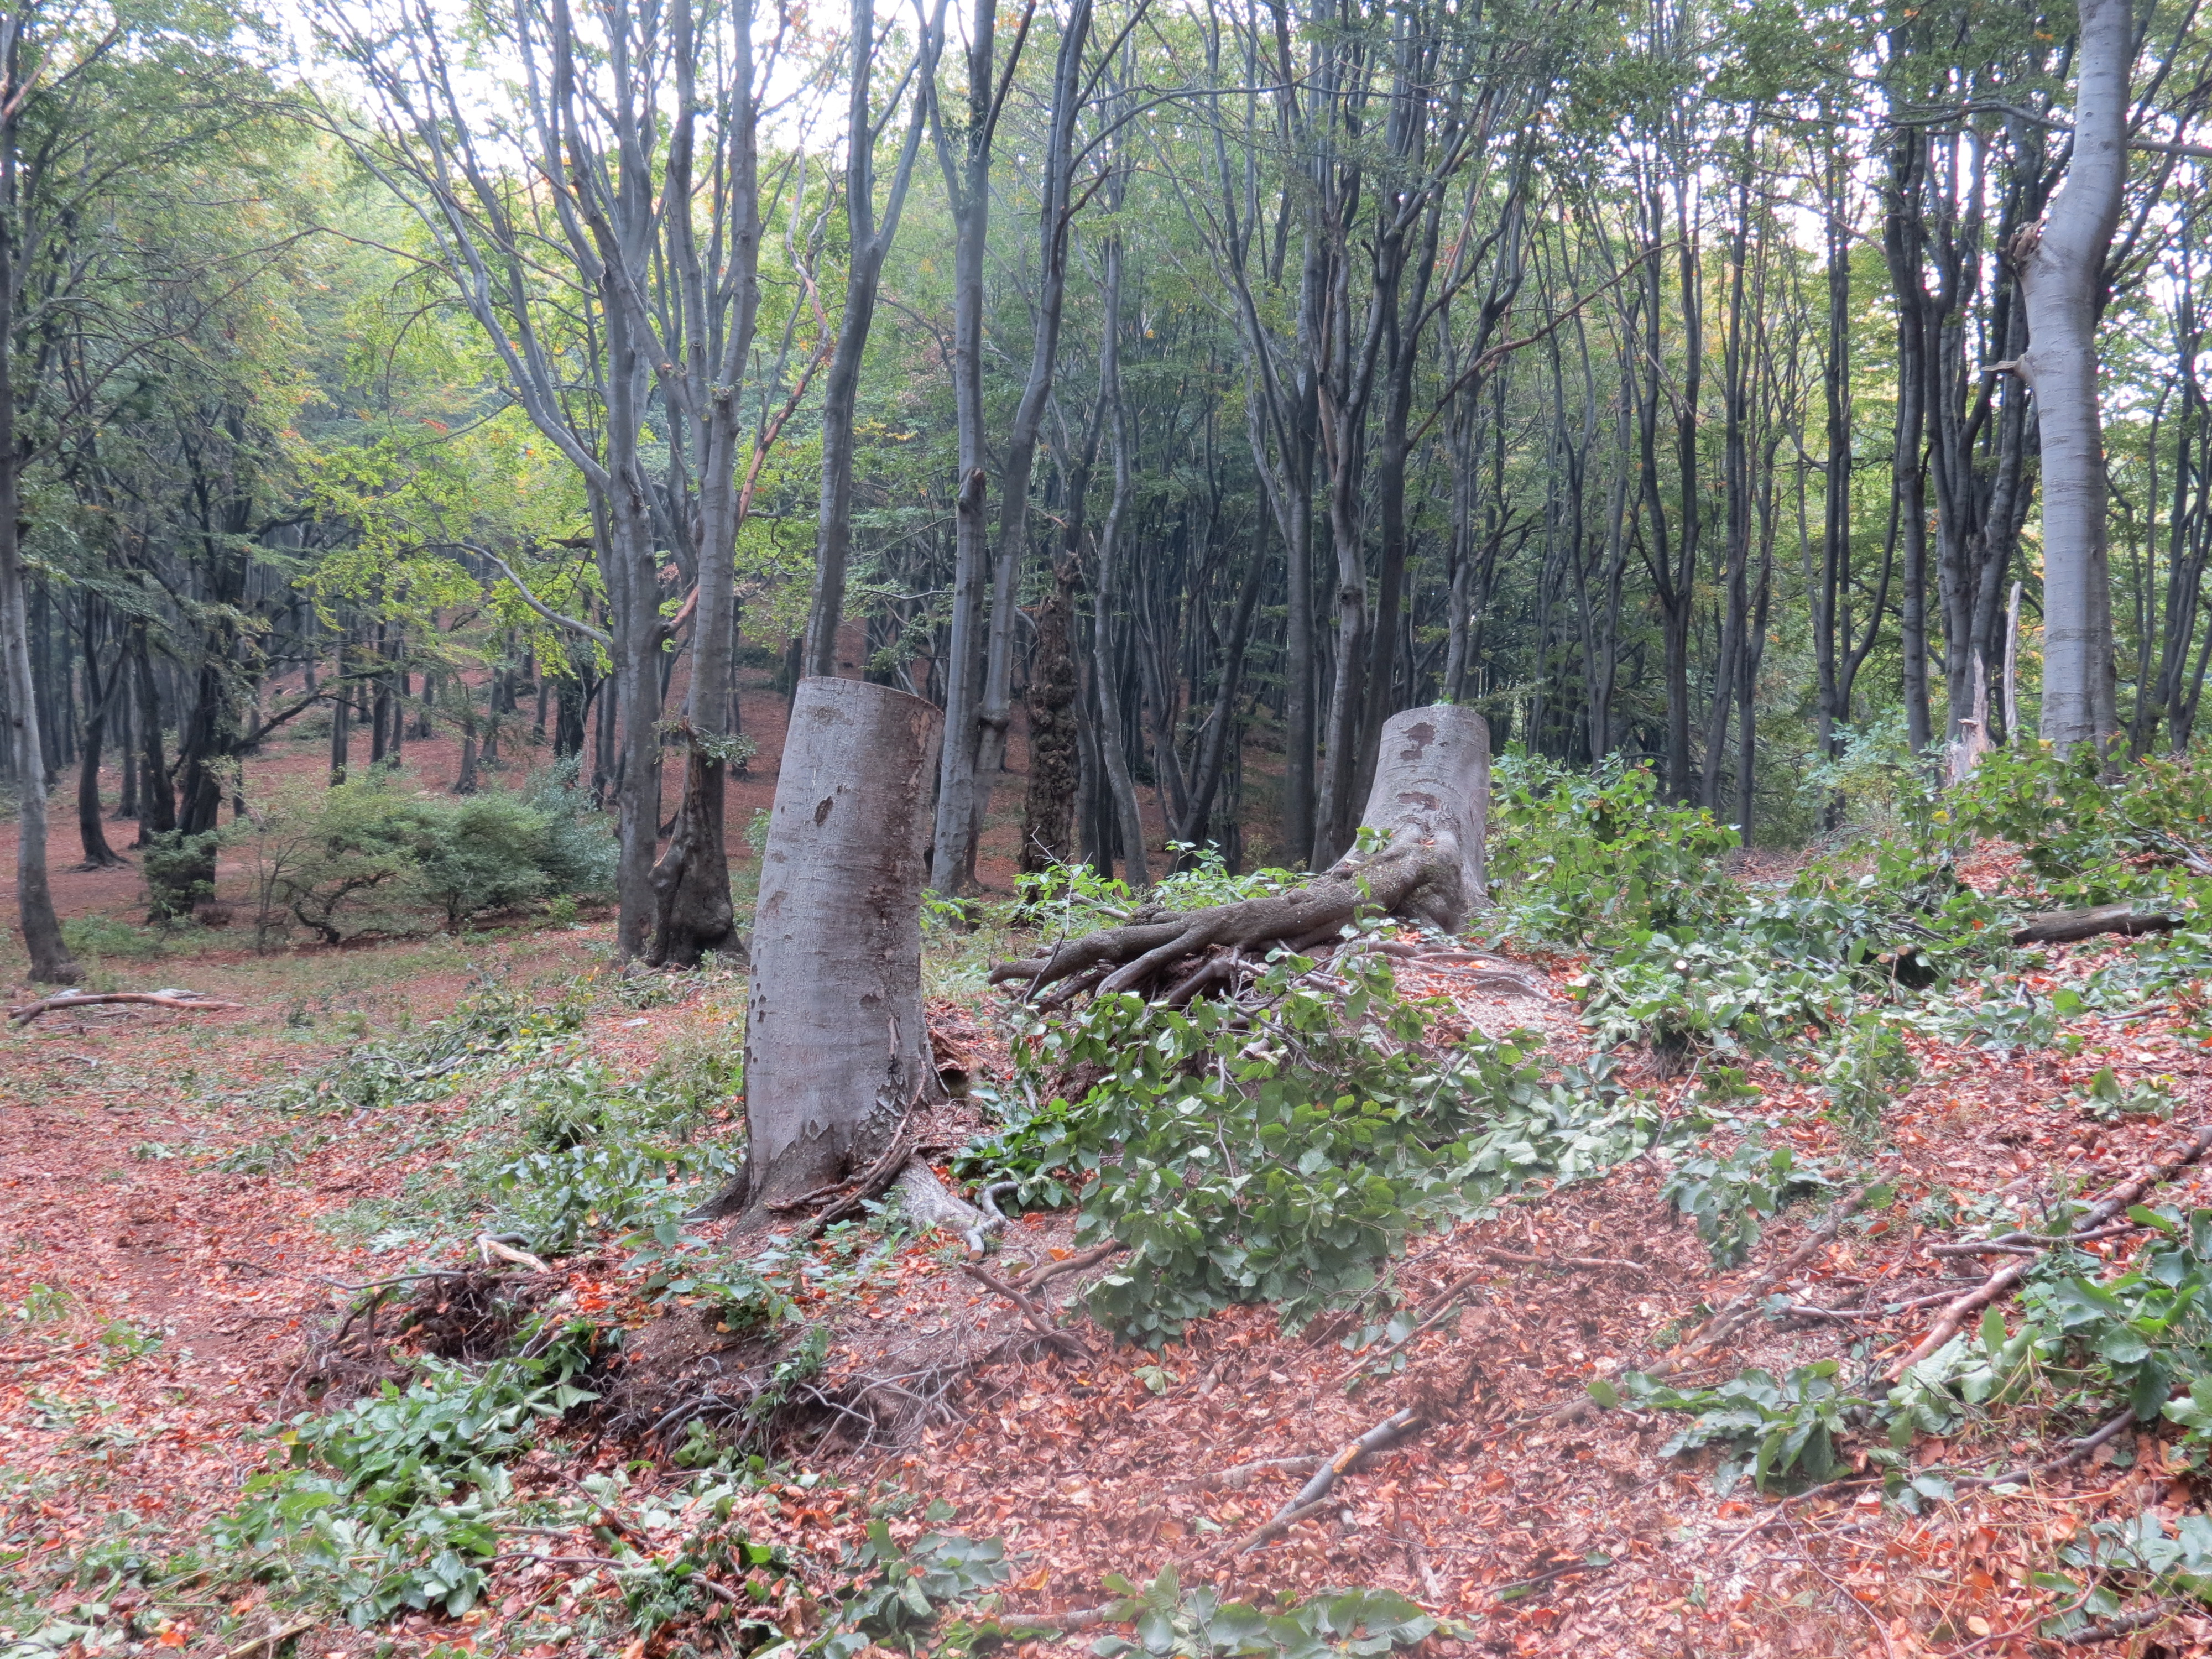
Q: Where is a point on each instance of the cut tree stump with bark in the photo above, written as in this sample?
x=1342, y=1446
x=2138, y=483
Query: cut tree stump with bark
x=1429, y=803
x=836, y=1048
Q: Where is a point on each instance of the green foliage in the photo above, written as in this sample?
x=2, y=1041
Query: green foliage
x=366, y=857
x=1778, y=1431
x=1727, y=1195
x=491, y=1029
x=896, y=1594
x=390, y=1502
x=179, y=872
x=1175, y=1623
x=1580, y=857
x=2103, y=1099
x=2085, y=840
x=1284, y=1160
x=1069, y=899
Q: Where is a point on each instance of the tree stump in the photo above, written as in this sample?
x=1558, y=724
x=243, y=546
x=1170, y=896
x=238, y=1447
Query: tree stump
x=1430, y=805
x=836, y=1047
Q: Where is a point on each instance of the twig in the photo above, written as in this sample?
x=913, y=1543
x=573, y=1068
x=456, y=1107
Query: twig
x=875, y=1183
x=2079, y=1450
x=1841, y=1588
x=1312, y=1496
x=1579, y=1263
x=1562, y=1572
x=190, y=1001
x=1066, y=1340
x=275, y=1639
x=2001, y=1282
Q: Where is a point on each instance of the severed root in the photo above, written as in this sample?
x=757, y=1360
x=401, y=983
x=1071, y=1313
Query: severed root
x=1140, y=956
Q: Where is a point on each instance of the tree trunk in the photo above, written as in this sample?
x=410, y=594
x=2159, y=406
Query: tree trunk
x=1048, y=813
x=2062, y=273
x=92, y=834
x=836, y=1047
x=1429, y=803
x=157, y=801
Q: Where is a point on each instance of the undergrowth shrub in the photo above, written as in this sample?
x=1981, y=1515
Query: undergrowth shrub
x=1577, y=857
x=1286, y=1157
x=369, y=857
x=393, y=1501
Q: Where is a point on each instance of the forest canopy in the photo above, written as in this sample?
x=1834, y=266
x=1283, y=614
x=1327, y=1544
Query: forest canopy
x=1769, y=394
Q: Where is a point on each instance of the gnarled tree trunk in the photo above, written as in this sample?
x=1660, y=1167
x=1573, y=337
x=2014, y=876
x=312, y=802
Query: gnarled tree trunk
x=1429, y=803
x=836, y=1050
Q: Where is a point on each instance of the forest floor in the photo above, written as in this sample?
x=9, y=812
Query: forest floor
x=178, y=1238
x=191, y=1203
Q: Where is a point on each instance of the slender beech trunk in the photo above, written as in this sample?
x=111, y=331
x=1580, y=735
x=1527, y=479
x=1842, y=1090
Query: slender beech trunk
x=1054, y=229
x=50, y=960
x=2061, y=270
x=1113, y=754
x=868, y=243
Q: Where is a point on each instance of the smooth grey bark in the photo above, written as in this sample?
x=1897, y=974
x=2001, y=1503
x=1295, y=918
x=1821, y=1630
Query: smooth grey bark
x=2061, y=267
x=868, y=242
x=836, y=1048
x=712, y=309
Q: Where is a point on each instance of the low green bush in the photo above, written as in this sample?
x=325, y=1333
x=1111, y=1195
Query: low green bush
x=1578, y=857
x=370, y=857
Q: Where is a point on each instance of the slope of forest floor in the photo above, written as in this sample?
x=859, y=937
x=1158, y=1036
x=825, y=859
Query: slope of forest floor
x=198, y=1210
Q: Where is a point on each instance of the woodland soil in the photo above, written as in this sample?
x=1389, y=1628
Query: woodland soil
x=161, y=1287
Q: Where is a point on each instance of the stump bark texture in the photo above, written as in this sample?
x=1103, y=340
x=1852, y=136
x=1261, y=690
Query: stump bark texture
x=837, y=1049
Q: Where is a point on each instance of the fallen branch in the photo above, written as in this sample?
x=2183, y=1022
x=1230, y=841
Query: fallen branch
x=2074, y=1454
x=1313, y=1495
x=275, y=1639
x=2070, y=927
x=1068, y=1341
x=2111, y=1629
x=1080, y=1618
x=1578, y=1263
x=1240, y=1475
x=1072, y=1264
x=2001, y=1283
x=2029, y=1243
x=493, y=1250
x=186, y=1001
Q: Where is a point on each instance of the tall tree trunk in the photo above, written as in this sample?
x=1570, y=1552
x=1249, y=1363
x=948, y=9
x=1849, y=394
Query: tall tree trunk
x=1055, y=762
x=868, y=243
x=1054, y=231
x=157, y=800
x=100, y=699
x=51, y=962
x=967, y=183
x=2062, y=273
x=1121, y=788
